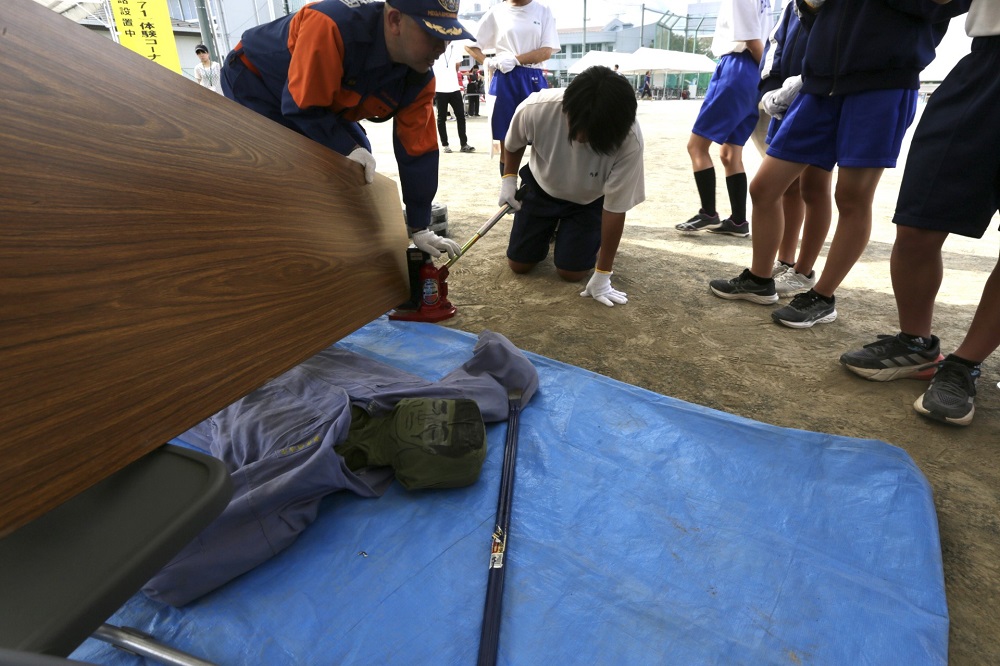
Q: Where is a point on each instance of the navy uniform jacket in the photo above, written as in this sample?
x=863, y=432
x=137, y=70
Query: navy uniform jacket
x=278, y=444
x=327, y=67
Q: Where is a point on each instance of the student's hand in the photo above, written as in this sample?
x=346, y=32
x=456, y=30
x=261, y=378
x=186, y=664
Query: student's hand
x=599, y=288
x=507, y=63
x=508, y=192
x=434, y=245
x=490, y=63
x=365, y=159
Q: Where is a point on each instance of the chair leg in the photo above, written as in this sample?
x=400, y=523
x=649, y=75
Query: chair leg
x=137, y=642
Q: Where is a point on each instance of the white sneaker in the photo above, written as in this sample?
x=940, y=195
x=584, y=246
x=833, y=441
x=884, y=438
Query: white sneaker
x=779, y=269
x=790, y=283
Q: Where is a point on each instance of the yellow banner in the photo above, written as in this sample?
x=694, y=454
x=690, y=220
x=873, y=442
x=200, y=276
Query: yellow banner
x=144, y=27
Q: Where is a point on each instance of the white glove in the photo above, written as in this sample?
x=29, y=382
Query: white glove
x=490, y=63
x=508, y=191
x=599, y=288
x=776, y=102
x=507, y=63
x=365, y=159
x=434, y=245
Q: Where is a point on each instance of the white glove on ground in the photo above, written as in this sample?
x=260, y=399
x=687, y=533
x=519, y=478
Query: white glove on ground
x=776, y=102
x=508, y=192
x=365, y=159
x=507, y=63
x=599, y=288
x=434, y=245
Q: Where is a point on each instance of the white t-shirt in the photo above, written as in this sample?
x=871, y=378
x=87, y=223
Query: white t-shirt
x=983, y=19
x=572, y=171
x=445, y=74
x=740, y=21
x=516, y=30
x=209, y=77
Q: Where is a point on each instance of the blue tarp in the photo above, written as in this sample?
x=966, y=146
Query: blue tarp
x=645, y=530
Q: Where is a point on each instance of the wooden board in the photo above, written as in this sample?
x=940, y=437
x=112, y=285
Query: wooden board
x=163, y=252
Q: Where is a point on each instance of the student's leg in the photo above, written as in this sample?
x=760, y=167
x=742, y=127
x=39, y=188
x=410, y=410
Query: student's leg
x=441, y=102
x=768, y=221
x=793, y=209
x=916, y=269
x=736, y=180
x=455, y=99
x=854, y=196
x=983, y=336
x=814, y=188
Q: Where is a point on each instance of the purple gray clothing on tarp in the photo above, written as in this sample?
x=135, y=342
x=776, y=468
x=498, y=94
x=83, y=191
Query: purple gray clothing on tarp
x=278, y=444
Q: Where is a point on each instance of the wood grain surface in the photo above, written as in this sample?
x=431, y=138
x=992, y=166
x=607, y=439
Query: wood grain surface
x=163, y=252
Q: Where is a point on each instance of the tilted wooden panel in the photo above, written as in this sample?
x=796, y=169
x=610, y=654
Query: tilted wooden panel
x=163, y=252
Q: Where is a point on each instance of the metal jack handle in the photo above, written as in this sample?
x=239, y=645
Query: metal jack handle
x=486, y=227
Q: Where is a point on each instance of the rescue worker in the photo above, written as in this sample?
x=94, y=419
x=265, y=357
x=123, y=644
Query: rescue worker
x=331, y=64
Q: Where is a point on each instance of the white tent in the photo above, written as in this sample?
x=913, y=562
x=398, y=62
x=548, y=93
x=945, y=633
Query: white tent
x=606, y=58
x=662, y=60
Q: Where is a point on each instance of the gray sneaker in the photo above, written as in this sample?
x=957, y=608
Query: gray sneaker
x=468, y=149
x=890, y=357
x=805, y=310
x=728, y=226
x=700, y=221
x=778, y=269
x=790, y=283
x=951, y=395
x=445, y=149
x=743, y=287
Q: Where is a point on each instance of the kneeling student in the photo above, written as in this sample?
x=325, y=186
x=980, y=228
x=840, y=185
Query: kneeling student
x=584, y=173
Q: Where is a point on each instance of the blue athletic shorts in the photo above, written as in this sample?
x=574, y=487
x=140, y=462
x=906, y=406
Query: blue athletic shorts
x=577, y=229
x=860, y=130
x=952, y=177
x=729, y=111
x=511, y=89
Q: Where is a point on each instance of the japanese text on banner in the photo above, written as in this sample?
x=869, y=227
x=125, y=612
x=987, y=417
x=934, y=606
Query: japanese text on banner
x=144, y=26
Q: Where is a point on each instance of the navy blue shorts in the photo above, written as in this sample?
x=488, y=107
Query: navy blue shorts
x=511, y=89
x=951, y=181
x=728, y=113
x=576, y=227
x=860, y=130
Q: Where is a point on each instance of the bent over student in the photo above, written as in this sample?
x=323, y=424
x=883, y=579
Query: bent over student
x=585, y=172
x=331, y=64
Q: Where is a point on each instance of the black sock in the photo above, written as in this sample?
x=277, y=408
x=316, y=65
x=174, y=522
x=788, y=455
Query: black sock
x=760, y=280
x=501, y=169
x=705, y=180
x=958, y=359
x=916, y=340
x=828, y=299
x=737, y=187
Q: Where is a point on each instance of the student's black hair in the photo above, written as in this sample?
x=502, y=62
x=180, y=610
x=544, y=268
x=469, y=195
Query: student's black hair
x=600, y=105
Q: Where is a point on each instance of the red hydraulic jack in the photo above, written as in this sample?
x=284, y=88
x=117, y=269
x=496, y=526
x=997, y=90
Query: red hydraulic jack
x=429, y=284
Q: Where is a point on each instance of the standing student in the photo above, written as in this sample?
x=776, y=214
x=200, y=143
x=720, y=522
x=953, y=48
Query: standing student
x=523, y=33
x=207, y=73
x=860, y=77
x=584, y=174
x=647, y=90
x=473, y=89
x=806, y=204
x=728, y=114
x=951, y=184
x=448, y=93
x=331, y=64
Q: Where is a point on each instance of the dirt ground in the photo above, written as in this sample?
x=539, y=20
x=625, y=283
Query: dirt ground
x=674, y=337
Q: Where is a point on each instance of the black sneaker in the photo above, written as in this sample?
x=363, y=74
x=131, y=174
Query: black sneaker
x=743, y=287
x=950, y=396
x=805, y=310
x=700, y=221
x=468, y=149
x=728, y=226
x=890, y=357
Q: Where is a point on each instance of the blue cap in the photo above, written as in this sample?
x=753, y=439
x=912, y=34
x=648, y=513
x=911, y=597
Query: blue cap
x=438, y=17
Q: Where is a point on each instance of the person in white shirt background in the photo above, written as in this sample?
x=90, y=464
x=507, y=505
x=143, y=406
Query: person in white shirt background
x=207, y=73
